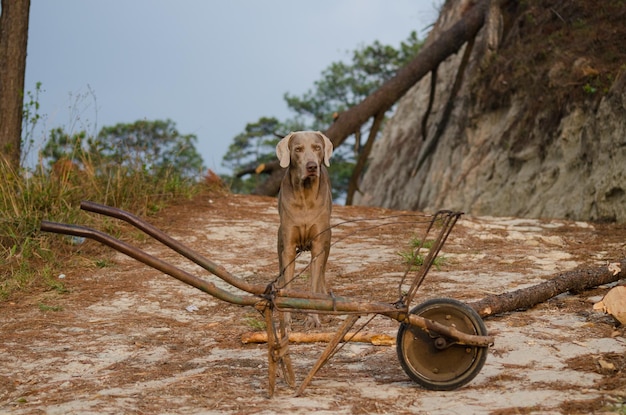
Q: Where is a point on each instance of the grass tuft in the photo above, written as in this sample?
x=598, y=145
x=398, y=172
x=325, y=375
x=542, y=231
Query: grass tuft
x=29, y=257
x=415, y=259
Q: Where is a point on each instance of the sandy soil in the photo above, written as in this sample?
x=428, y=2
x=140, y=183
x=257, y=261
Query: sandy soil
x=125, y=338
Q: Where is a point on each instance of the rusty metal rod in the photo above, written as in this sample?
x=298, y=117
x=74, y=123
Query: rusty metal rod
x=282, y=299
x=451, y=332
x=170, y=242
x=196, y=257
x=322, y=302
x=448, y=220
x=141, y=256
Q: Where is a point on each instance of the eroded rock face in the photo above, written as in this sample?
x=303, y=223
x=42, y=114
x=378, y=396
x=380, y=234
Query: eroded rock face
x=566, y=160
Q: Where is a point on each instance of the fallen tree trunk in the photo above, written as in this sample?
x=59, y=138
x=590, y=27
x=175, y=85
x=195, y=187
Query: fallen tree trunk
x=381, y=100
x=524, y=298
x=574, y=281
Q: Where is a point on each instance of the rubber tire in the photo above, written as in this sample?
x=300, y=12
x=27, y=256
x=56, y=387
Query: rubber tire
x=407, y=340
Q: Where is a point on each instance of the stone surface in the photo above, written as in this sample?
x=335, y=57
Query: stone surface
x=561, y=161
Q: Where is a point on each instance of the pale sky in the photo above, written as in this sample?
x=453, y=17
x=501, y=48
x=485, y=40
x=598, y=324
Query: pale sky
x=210, y=66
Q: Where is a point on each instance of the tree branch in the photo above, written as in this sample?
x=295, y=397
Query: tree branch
x=381, y=100
x=524, y=298
x=353, y=186
x=430, y=146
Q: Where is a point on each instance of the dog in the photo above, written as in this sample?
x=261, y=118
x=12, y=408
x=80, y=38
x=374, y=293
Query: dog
x=304, y=208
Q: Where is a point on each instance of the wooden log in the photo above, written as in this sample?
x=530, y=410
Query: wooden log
x=575, y=281
x=373, y=338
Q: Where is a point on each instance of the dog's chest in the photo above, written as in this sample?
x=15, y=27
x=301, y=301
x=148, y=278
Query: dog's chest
x=301, y=224
x=305, y=218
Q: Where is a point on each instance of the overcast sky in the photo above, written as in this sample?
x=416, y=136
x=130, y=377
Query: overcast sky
x=210, y=66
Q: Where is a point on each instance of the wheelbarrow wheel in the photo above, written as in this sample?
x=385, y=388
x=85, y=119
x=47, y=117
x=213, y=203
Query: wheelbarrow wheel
x=433, y=361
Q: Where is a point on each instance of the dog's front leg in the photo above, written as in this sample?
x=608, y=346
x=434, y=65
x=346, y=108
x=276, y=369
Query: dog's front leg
x=319, y=256
x=287, y=265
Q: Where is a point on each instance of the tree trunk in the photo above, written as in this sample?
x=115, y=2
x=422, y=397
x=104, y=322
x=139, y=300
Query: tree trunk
x=13, y=41
x=381, y=100
x=524, y=298
x=353, y=185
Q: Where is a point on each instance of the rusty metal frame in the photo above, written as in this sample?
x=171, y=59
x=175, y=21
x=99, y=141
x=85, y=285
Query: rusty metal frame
x=267, y=298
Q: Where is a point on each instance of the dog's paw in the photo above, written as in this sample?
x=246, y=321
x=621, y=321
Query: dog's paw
x=286, y=323
x=312, y=322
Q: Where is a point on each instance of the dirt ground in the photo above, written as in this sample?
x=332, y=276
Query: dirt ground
x=125, y=338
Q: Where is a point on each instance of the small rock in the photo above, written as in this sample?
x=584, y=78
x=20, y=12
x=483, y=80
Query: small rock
x=614, y=303
x=606, y=365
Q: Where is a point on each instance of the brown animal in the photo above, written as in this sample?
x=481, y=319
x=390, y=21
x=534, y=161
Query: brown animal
x=304, y=207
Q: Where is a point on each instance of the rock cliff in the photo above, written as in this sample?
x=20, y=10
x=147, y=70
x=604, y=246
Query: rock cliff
x=528, y=121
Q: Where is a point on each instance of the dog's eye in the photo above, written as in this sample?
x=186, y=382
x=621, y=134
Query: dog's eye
x=298, y=149
x=317, y=148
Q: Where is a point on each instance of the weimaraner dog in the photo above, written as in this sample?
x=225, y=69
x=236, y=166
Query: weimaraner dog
x=304, y=207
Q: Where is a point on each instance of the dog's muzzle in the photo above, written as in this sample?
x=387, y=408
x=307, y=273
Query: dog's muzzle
x=311, y=169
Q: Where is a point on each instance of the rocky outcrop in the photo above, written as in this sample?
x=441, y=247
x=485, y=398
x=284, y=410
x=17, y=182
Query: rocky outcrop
x=536, y=129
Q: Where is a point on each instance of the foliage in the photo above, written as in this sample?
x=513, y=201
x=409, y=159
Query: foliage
x=342, y=86
x=28, y=256
x=254, y=322
x=30, y=118
x=253, y=145
x=414, y=258
x=153, y=146
x=138, y=167
x=250, y=149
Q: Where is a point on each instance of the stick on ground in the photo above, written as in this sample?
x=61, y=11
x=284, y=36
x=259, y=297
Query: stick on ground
x=375, y=339
x=576, y=280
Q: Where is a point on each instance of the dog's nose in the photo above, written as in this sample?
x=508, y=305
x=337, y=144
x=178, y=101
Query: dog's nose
x=311, y=167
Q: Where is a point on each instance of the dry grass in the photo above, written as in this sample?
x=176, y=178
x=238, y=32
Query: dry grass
x=27, y=197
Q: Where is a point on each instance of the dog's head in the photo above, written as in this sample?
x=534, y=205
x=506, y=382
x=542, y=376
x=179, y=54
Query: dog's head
x=306, y=150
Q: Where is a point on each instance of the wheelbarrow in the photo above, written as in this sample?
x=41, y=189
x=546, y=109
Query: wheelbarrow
x=442, y=344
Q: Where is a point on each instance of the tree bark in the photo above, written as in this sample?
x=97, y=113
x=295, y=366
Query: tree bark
x=381, y=100
x=13, y=42
x=353, y=185
x=430, y=145
x=524, y=298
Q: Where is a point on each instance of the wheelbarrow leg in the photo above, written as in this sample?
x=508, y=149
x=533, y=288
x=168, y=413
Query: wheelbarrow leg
x=285, y=358
x=278, y=350
x=343, y=330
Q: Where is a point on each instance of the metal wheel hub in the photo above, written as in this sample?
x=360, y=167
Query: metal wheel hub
x=437, y=362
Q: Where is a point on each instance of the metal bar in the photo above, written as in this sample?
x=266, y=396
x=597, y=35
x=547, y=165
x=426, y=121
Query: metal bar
x=271, y=344
x=330, y=348
x=189, y=253
x=451, y=332
x=449, y=219
x=170, y=242
x=150, y=260
x=282, y=299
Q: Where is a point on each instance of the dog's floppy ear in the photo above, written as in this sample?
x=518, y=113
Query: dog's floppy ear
x=328, y=149
x=282, y=151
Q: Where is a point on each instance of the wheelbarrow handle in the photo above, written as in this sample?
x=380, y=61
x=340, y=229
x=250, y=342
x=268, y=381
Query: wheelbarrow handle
x=141, y=256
